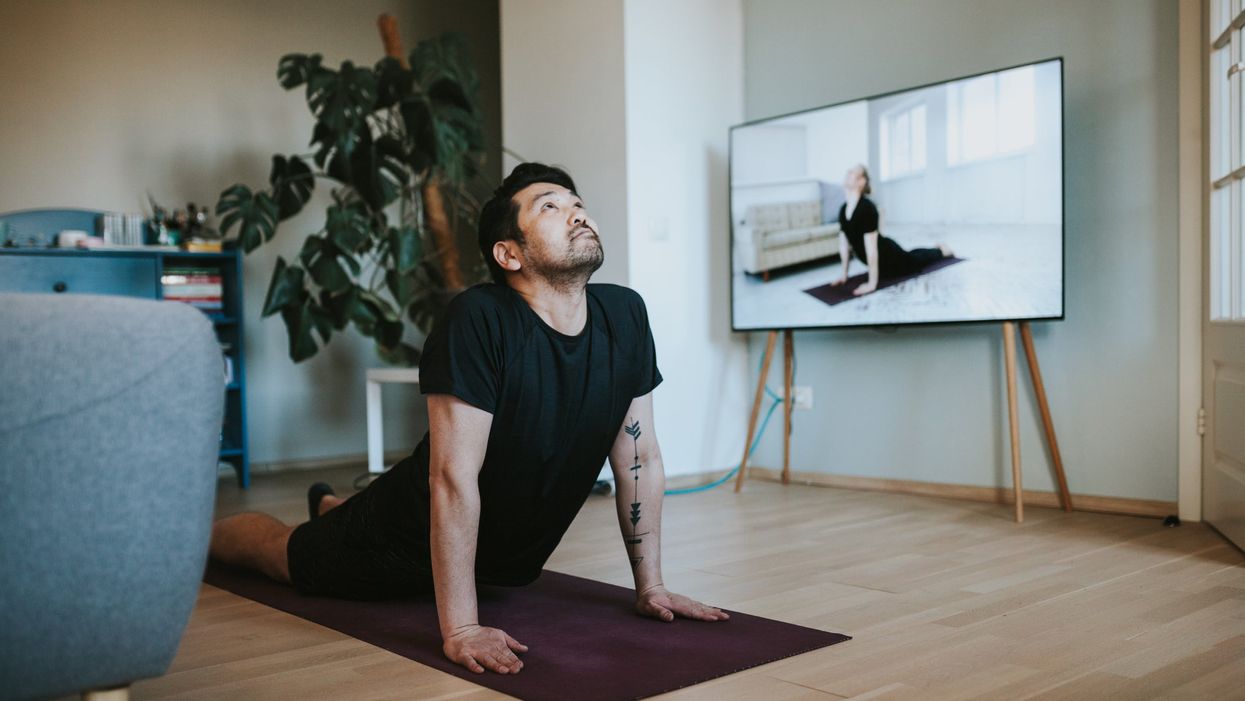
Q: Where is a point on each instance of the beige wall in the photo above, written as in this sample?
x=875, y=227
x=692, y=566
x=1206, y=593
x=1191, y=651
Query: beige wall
x=103, y=101
x=562, y=90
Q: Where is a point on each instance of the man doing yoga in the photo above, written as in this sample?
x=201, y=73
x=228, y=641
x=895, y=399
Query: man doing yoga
x=532, y=381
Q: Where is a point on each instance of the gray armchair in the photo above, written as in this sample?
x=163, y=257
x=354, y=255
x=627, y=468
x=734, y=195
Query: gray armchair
x=110, y=417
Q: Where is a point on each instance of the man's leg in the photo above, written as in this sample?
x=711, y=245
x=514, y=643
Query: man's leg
x=255, y=541
x=258, y=541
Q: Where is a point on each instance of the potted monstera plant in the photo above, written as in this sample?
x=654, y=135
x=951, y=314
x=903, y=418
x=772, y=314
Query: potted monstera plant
x=398, y=144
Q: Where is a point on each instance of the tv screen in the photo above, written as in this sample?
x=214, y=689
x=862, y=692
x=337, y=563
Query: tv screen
x=930, y=205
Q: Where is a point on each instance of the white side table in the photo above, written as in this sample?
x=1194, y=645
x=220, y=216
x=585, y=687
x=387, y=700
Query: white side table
x=375, y=426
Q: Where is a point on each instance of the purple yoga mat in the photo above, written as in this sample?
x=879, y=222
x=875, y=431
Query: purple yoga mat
x=583, y=638
x=833, y=295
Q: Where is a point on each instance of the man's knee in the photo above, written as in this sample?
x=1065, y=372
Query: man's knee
x=278, y=556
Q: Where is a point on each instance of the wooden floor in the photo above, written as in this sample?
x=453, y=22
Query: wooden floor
x=945, y=599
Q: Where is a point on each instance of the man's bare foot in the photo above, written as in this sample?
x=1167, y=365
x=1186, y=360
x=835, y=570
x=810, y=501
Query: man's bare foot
x=946, y=250
x=329, y=502
x=321, y=498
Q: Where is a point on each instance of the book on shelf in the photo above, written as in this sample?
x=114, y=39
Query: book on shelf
x=198, y=300
x=207, y=270
x=191, y=279
x=121, y=229
x=192, y=291
x=204, y=246
x=198, y=286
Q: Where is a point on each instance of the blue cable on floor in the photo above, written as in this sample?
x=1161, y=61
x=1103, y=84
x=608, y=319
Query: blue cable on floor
x=704, y=487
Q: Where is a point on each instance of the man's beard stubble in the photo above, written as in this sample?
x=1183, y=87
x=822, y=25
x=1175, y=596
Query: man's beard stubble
x=573, y=270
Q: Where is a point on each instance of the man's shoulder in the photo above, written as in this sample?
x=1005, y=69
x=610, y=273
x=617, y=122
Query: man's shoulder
x=482, y=294
x=615, y=296
x=482, y=298
x=623, y=311
x=486, y=304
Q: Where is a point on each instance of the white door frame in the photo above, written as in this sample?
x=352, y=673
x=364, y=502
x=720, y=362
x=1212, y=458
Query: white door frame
x=1191, y=146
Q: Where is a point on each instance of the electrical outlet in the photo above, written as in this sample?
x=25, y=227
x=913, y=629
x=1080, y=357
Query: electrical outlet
x=802, y=395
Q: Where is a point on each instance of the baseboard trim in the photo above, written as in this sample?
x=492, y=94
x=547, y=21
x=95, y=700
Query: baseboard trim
x=995, y=495
x=358, y=460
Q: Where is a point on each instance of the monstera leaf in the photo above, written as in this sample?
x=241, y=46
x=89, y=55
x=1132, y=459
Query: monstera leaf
x=299, y=324
x=420, y=126
x=340, y=306
x=255, y=213
x=449, y=118
x=393, y=82
x=292, y=181
x=402, y=287
x=328, y=273
x=453, y=148
x=348, y=228
x=405, y=246
x=375, y=168
x=444, y=57
x=285, y=289
x=378, y=170
x=342, y=99
x=296, y=69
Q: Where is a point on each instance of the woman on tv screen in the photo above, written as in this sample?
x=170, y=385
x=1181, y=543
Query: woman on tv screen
x=858, y=222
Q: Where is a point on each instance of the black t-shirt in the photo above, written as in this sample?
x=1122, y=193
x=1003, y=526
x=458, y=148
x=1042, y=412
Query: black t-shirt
x=558, y=402
x=893, y=260
x=864, y=220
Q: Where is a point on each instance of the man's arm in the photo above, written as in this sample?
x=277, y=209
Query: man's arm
x=640, y=479
x=458, y=436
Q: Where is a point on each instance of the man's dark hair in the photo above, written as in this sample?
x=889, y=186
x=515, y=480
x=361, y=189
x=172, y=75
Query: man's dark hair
x=499, y=217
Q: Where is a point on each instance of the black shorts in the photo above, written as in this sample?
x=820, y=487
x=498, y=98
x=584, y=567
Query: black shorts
x=361, y=549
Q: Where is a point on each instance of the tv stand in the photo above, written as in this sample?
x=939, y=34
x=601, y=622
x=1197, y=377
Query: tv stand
x=1009, y=356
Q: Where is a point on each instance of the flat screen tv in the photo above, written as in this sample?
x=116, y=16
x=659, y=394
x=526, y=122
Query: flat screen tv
x=937, y=204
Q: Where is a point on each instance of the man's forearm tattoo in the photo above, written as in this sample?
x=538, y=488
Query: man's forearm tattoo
x=633, y=430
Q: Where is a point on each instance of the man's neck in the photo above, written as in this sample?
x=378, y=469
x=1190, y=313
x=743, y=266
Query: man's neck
x=563, y=308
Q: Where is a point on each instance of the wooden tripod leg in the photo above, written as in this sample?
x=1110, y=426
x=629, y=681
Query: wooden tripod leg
x=756, y=407
x=1009, y=357
x=788, y=348
x=1035, y=374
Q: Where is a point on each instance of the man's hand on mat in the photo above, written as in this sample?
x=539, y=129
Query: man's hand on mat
x=656, y=602
x=840, y=281
x=478, y=648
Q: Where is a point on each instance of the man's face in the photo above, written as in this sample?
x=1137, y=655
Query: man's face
x=560, y=241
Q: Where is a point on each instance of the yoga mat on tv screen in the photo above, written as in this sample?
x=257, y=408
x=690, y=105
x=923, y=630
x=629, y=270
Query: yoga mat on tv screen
x=584, y=641
x=833, y=295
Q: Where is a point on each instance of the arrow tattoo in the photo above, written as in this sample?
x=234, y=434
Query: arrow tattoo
x=633, y=430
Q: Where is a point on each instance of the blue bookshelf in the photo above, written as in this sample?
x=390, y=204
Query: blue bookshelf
x=135, y=272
